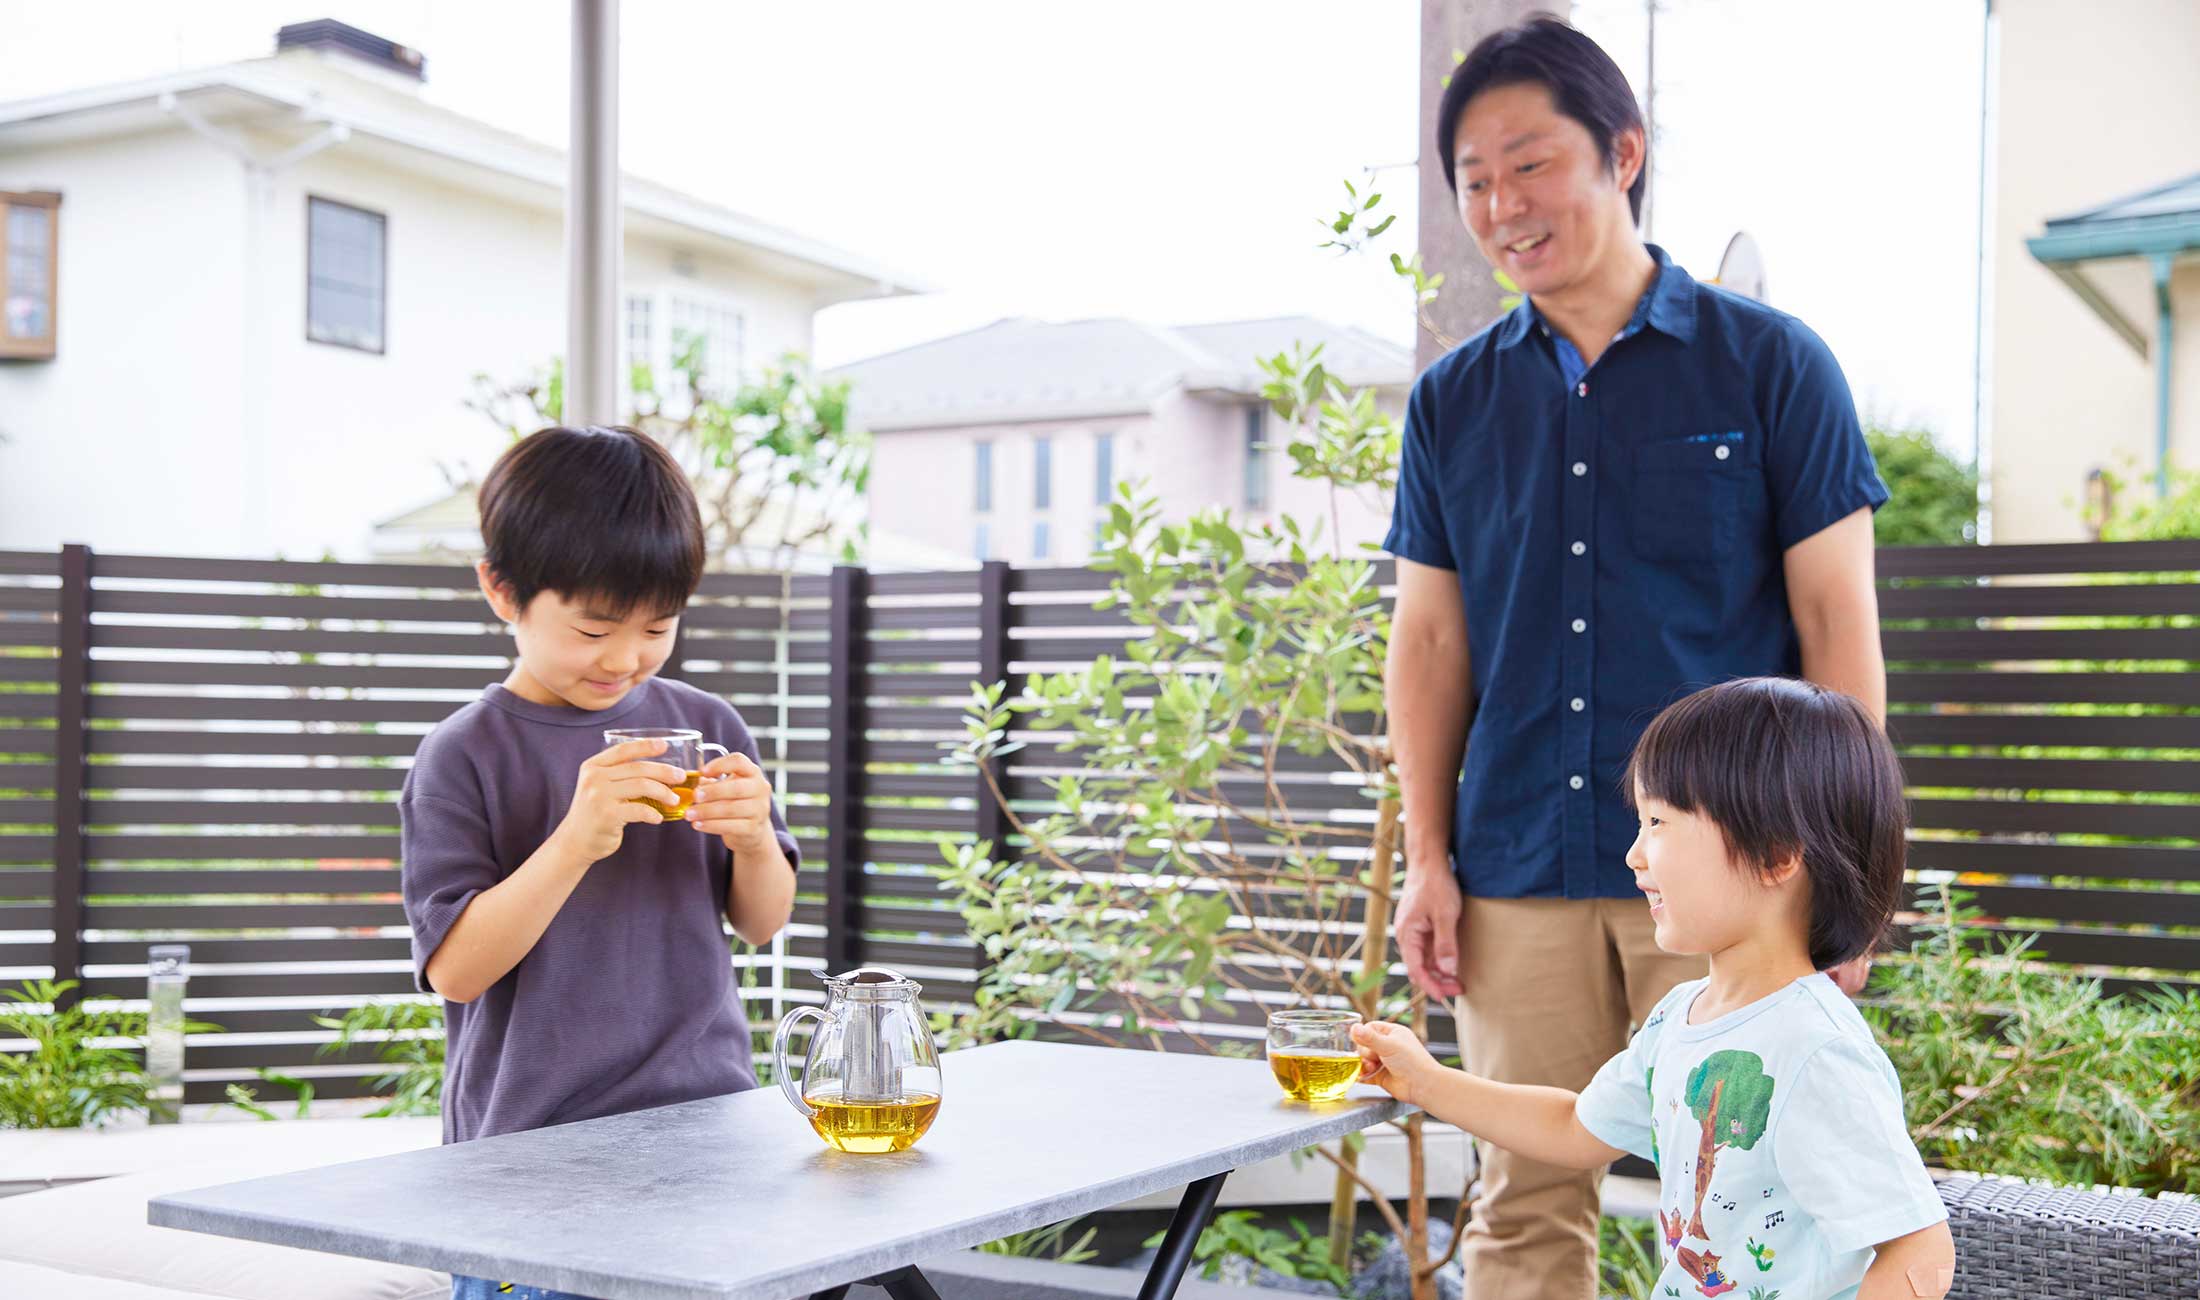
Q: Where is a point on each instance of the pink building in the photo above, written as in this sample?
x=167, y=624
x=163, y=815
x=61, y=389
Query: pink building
x=1007, y=442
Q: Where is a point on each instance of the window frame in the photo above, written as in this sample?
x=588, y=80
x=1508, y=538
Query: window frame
x=382, y=293
x=40, y=347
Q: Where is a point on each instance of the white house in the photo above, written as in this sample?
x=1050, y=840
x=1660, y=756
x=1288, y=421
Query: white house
x=245, y=306
x=1007, y=442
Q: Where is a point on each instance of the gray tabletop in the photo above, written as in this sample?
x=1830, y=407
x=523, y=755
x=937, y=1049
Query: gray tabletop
x=734, y=1198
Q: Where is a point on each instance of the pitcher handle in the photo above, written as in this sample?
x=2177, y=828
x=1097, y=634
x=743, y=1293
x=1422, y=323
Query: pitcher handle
x=779, y=1056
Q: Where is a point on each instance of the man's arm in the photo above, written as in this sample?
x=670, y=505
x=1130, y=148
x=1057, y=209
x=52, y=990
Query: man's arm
x=1427, y=692
x=1836, y=610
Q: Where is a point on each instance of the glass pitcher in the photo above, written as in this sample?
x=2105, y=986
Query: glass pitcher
x=871, y=1080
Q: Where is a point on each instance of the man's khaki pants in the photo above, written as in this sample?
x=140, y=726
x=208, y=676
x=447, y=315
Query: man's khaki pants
x=1549, y=989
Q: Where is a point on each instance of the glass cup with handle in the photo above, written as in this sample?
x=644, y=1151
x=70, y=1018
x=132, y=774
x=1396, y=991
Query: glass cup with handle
x=683, y=749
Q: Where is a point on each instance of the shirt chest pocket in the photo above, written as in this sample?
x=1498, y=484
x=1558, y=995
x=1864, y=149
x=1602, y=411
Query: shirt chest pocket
x=1687, y=494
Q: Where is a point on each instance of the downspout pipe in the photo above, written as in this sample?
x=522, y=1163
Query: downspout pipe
x=2164, y=356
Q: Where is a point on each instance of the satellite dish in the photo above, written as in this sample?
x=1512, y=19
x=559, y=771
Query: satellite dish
x=1742, y=267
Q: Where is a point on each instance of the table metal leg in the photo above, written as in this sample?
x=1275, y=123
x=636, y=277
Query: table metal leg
x=907, y=1284
x=902, y=1284
x=1191, y=1218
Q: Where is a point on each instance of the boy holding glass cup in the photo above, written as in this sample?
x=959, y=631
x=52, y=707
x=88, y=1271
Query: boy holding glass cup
x=574, y=935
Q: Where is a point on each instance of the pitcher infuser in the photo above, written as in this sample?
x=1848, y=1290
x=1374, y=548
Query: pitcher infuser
x=871, y=1079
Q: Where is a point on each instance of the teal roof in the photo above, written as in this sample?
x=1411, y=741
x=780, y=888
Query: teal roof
x=2164, y=219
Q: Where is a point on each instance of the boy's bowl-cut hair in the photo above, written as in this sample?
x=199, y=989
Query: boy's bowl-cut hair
x=1789, y=769
x=601, y=513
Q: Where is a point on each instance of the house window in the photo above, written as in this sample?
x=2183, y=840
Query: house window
x=981, y=546
x=1103, y=469
x=347, y=272
x=984, y=494
x=641, y=339
x=29, y=270
x=1039, y=540
x=1042, y=473
x=1099, y=536
x=719, y=336
x=1256, y=462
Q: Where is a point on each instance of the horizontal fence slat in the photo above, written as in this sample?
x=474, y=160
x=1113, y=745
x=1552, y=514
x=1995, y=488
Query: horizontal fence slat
x=111, y=847
x=259, y=880
x=2013, y=644
x=242, y=916
x=241, y=812
x=2053, y=774
x=2059, y=731
x=288, y=572
x=159, y=776
x=2137, y=861
x=2044, y=558
x=116, y=670
x=136, y=741
x=2003, y=600
x=2107, y=906
x=2003, y=816
x=1911, y=687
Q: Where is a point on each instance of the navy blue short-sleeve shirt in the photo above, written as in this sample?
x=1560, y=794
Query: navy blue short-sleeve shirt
x=1618, y=533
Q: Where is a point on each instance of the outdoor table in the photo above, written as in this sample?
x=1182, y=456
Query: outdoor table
x=735, y=1198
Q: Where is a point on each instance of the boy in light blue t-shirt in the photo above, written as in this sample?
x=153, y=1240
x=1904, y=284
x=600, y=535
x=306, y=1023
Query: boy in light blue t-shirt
x=1771, y=840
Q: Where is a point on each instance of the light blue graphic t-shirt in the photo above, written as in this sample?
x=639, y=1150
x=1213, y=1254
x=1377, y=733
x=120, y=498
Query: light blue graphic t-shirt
x=1777, y=1130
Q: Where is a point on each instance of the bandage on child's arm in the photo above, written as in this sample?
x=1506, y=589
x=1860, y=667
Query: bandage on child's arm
x=1919, y=1265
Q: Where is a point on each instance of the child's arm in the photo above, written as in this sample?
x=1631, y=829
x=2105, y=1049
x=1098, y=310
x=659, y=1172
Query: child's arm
x=737, y=807
x=502, y=923
x=1921, y=1264
x=1535, y=1122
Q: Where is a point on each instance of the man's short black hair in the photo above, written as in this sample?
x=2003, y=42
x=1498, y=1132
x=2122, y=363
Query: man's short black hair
x=1789, y=769
x=1585, y=85
x=604, y=514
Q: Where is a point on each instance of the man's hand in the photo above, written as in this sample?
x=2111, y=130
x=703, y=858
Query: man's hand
x=603, y=798
x=1428, y=929
x=735, y=804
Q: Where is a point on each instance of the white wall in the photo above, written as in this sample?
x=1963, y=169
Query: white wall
x=161, y=427
x=126, y=439
x=2094, y=102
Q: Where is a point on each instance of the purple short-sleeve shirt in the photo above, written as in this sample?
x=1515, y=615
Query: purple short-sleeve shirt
x=628, y=1000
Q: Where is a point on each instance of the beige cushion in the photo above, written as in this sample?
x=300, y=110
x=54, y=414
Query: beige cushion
x=97, y=1231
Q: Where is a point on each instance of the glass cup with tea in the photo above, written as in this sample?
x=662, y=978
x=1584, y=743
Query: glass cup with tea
x=684, y=750
x=1311, y=1053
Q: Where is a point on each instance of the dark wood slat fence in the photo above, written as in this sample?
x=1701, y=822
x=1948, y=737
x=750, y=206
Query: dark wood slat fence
x=208, y=751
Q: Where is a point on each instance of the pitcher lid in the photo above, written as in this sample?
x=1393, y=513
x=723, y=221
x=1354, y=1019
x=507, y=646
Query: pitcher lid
x=871, y=982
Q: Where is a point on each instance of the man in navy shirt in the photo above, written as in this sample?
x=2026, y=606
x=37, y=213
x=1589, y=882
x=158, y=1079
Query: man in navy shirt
x=1629, y=488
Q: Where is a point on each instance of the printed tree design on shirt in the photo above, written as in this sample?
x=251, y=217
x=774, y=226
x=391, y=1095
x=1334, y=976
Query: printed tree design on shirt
x=1731, y=1096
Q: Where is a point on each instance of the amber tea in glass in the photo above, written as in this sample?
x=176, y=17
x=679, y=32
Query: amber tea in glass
x=684, y=750
x=1311, y=1053
x=872, y=1127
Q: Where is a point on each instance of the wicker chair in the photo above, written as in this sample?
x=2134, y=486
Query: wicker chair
x=2016, y=1239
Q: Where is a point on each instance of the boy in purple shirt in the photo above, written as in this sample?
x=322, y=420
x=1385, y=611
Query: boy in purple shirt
x=574, y=935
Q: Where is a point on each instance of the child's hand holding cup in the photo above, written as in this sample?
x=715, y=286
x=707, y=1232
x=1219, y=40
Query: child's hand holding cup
x=735, y=804
x=1393, y=1059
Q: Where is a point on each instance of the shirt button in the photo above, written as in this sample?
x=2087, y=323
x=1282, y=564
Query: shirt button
x=1578, y=705
x=1574, y=781
x=1582, y=390
x=1581, y=548
x=1580, y=625
x=1721, y=453
x=1582, y=467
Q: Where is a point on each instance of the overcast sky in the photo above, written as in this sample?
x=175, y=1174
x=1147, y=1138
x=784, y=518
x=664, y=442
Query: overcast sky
x=1167, y=159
